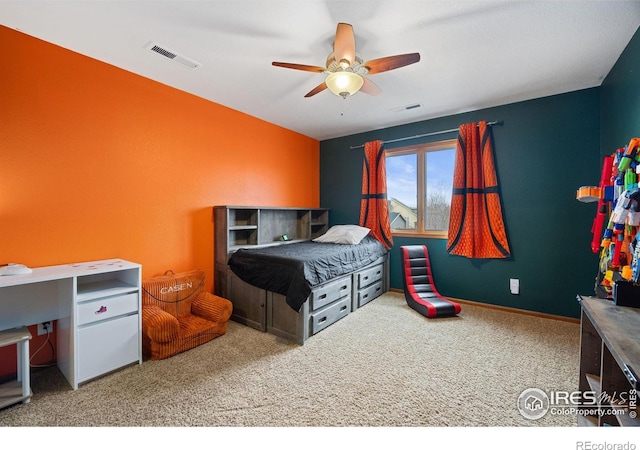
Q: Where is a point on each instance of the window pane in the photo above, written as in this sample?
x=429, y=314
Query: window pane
x=402, y=191
x=438, y=186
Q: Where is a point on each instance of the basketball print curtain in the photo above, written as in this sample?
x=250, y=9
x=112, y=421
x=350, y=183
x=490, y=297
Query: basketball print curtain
x=374, y=209
x=476, y=226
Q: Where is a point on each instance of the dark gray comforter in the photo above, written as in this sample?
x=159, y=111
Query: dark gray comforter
x=294, y=269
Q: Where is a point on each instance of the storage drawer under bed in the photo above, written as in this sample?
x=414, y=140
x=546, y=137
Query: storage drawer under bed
x=368, y=294
x=330, y=292
x=369, y=276
x=321, y=319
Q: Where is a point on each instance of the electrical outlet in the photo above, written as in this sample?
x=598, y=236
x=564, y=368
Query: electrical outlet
x=514, y=286
x=44, y=327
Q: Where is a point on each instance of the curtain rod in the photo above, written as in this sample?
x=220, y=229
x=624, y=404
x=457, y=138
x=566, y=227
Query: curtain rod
x=497, y=122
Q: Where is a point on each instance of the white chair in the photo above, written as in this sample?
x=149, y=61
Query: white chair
x=20, y=389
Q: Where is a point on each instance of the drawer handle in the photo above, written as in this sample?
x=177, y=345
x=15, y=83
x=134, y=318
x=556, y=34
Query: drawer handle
x=103, y=309
x=343, y=307
x=365, y=295
x=322, y=320
x=365, y=278
x=323, y=296
x=344, y=287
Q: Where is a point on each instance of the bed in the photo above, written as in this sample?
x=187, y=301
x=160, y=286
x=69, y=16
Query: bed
x=304, y=287
x=294, y=269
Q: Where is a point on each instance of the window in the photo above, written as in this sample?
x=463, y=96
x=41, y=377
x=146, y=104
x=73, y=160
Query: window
x=419, y=185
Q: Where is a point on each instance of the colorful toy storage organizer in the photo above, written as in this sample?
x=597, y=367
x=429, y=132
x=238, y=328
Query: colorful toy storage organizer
x=618, y=197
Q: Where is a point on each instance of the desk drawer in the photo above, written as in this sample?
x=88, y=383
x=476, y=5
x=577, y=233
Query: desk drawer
x=107, y=346
x=369, y=276
x=329, y=315
x=330, y=292
x=106, y=308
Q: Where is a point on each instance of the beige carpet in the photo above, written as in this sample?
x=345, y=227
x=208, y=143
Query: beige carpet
x=383, y=365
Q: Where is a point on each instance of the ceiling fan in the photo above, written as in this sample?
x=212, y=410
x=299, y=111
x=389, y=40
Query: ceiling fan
x=345, y=69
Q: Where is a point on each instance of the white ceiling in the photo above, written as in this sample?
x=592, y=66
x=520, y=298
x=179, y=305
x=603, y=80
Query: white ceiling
x=474, y=54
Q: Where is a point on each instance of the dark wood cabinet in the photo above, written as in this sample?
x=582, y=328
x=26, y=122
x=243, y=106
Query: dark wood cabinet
x=609, y=363
x=251, y=227
x=238, y=227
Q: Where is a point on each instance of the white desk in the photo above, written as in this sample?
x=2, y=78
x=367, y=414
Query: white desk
x=97, y=308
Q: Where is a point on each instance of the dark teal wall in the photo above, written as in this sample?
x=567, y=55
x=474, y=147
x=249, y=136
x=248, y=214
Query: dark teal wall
x=545, y=150
x=620, y=100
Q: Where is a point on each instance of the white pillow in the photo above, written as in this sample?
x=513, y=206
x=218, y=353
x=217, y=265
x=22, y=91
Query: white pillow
x=344, y=234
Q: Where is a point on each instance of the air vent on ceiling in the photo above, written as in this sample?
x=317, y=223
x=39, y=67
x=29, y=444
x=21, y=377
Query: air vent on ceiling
x=406, y=107
x=173, y=56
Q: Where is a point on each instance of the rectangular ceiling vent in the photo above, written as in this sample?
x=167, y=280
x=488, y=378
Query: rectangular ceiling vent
x=173, y=56
x=407, y=107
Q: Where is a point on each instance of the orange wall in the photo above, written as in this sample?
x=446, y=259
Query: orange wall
x=100, y=163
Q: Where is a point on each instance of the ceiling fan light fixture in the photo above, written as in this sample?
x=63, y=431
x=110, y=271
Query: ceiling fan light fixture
x=344, y=83
x=345, y=69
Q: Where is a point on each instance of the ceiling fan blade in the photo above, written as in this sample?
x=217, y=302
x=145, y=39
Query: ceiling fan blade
x=299, y=67
x=391, y=62
x=344, y=47
x=369, y=87
x=319, y=88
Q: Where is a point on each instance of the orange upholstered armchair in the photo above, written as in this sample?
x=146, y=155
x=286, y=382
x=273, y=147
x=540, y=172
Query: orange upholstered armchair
x=178, y=314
